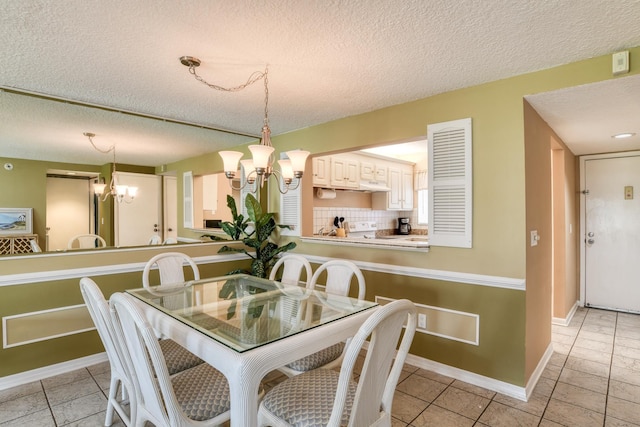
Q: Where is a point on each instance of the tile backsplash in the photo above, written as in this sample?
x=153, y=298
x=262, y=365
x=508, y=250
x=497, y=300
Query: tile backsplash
x=386, y=220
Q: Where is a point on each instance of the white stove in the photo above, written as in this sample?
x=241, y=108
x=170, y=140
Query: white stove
x=362, y=229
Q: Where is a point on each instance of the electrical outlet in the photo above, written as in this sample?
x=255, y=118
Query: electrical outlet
x=422, y=321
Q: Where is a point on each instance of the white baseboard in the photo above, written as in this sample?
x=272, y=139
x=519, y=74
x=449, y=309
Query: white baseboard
x=535, y=376
x=469, y=377
x=565, y=321
x=50, y=371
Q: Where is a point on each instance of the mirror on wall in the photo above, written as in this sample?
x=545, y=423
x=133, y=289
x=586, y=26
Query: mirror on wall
x=41, y=137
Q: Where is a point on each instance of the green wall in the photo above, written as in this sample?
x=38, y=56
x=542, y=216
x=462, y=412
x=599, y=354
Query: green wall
x=499, y=209
x=499, y=215
x=46, y=295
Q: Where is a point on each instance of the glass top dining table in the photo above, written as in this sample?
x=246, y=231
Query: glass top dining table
x=246, y=327
x=243, y=312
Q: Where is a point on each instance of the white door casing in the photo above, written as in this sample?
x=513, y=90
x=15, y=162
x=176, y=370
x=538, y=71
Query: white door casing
x=137, y=221
x=610, y=231
x=170, y=206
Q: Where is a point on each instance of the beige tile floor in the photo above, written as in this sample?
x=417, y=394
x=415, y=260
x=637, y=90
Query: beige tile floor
x=593, y=379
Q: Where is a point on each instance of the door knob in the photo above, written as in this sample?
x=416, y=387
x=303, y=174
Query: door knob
x=590, y=241
x=170, y=229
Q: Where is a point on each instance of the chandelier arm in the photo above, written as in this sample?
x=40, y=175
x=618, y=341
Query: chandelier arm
x=237, y=188
x=279, y=178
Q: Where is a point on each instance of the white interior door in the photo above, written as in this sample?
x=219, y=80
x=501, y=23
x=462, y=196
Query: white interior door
x=612, y=233
x=170, y=204
x=138, y=221
x=68, y=211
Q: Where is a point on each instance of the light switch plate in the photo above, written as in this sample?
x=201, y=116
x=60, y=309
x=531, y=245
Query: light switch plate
x=620, y=62
x=534, y=237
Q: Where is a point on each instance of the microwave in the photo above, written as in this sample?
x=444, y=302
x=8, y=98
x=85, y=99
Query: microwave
x=212, y=223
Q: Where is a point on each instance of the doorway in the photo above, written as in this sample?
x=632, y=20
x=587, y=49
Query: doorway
x=610, y=245
x=69, y=210
x=136, y=222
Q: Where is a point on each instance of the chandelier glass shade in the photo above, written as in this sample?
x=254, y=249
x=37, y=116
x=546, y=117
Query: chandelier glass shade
x=119, y=192
x=260, y=167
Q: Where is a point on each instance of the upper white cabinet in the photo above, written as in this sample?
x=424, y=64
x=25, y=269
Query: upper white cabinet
x=344, y=172
x=371, y=171
x=353, y=171
x=210, y=193
x=321, y=171
x=400, y=181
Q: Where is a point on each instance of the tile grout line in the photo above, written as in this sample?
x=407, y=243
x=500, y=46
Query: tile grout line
x=46, y=396
x=573, y=343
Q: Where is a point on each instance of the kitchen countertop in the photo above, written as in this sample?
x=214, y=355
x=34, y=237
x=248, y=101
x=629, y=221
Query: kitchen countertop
x=408, y=242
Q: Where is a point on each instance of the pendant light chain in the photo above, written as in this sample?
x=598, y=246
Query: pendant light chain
x=254, y=77
x=260, y=167
x=90, y=136
x=192, y=63
x=266, y=96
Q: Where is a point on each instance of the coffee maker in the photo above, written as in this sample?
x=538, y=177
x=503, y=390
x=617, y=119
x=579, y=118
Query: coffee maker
x=403, y=226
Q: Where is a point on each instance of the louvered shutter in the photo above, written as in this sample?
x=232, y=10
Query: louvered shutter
x=450, y=182
x=290, y=209
x=187, y=198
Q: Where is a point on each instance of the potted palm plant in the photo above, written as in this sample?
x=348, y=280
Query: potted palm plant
x=255, y=232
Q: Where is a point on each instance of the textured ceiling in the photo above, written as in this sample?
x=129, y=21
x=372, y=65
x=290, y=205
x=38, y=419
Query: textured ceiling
x=327, y=59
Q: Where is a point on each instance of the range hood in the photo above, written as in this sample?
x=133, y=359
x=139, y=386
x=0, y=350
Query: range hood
x=373, y=186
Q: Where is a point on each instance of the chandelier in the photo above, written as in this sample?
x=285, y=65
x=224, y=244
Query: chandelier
x=260, y=167
x=119, y=192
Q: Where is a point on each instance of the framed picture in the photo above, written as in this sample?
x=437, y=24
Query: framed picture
x=16, y=221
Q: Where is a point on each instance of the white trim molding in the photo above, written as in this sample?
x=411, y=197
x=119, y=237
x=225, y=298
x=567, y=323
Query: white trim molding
x=8, y=342
x=451, y=325
x=107, y=270
x=511, y=390
x=52, y=370
x=537, y=373
x=566, y=320
x=424, y=273
x=505, y=388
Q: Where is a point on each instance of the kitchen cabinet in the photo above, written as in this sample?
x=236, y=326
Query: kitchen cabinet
x=321, y=171
x=344, y=172
x=370, y=171
x=400, y=197
x=210, y=193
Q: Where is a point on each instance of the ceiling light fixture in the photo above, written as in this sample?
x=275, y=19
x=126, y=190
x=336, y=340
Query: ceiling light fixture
x=120, y=193
x=260, y=167
x=623, y=135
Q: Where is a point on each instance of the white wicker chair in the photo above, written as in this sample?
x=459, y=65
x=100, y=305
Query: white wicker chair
x=176, y=357
x=339, y=274
x=170, y=266
x=99, y=311
x=155, y=240
x=35, y=247
x=292, y=266
x=86, y=241
x=196, y=397
x=324, y=397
